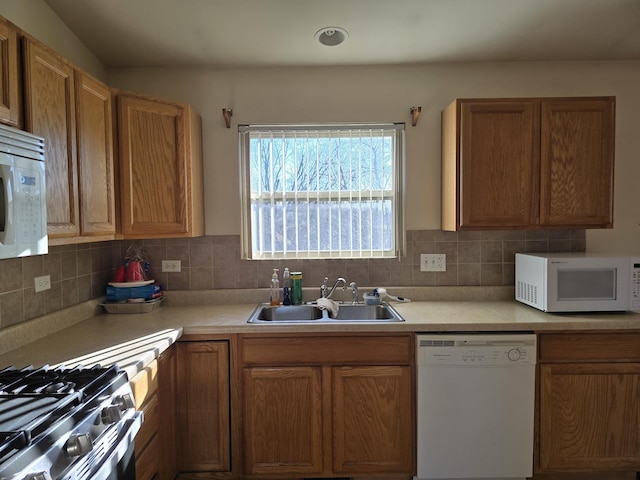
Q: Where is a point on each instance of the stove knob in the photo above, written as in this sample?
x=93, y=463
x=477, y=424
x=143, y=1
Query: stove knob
x=38, y=476
x=110, y=414
x=78, y=444
x=124, y=402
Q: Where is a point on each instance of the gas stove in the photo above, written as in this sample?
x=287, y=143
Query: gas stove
x=67, y=424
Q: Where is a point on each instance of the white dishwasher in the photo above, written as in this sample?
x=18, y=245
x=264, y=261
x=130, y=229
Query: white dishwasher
x=475, y=405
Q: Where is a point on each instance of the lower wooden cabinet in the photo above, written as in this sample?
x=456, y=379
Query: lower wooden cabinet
x=203, y=405
x=372, y=416
x=283, y=420
x=154, y=393
x=327, y=405
x=589, y=402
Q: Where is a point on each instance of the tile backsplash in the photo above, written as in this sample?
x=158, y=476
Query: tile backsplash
x=81, y=272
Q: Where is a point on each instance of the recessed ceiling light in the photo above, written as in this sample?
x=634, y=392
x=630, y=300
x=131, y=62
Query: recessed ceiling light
x=331, y=36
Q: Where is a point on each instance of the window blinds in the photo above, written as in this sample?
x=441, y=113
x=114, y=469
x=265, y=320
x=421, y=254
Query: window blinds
x=322, y=191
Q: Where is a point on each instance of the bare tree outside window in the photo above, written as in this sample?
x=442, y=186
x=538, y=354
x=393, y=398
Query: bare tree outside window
x=322, y=192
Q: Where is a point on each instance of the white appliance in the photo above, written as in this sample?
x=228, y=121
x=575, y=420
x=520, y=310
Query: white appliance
x=23, y=199
x=578, y=282
x=475, y=406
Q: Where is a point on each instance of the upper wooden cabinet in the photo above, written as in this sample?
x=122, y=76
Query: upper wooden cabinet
x=160, y=155
x=95, y=156
x=73, y=112
x=528, y=163
x=10, y=101
x=50, y=113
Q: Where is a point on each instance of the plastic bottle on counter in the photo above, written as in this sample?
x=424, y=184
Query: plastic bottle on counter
x=286, y=287
x=296, y=288
x=275, y=288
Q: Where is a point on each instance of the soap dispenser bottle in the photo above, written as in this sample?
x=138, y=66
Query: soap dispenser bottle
x=286, y=287
x=275, y=288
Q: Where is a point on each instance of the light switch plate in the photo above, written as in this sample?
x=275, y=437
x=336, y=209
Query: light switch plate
x=433, y=262
x=171, y=266
x=42, y=283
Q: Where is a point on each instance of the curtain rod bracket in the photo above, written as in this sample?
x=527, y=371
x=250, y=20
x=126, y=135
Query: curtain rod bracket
x=415, y=114
x=227, y=113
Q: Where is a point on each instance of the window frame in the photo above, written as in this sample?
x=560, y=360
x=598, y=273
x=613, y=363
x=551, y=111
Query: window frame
x=399, y=187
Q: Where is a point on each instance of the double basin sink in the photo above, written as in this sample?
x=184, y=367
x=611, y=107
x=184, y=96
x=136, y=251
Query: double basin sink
x=310, y=313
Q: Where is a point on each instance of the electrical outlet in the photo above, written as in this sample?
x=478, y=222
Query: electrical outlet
x=433, y=262
x=171, y=266
x=42, y=283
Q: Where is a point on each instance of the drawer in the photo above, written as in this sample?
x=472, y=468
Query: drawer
x=150, y=423
x=148, y=460
x=145, y=384
x=589, y=347
x=336, y=350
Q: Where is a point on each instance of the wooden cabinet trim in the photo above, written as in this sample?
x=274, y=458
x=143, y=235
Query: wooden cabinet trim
x=351, y=349
x=589, y=347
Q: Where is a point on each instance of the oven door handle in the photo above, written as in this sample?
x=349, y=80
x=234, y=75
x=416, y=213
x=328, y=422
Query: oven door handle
x=125, y=441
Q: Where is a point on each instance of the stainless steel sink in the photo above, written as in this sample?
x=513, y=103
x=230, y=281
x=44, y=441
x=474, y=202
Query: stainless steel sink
x=310, y=313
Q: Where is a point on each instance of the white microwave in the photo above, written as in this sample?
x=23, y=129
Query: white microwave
x=23, y=197
x=578, y=282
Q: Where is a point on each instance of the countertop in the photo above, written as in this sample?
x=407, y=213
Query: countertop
x=133, y=340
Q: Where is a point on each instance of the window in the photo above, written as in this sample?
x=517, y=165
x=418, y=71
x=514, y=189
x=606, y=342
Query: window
x=322, y=191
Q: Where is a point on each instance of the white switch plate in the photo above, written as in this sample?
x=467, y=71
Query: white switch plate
x=433, y=262
x=42, y=283
x=171, y=266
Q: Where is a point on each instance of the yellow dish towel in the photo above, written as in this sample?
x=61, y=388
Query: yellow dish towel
x=329, y=305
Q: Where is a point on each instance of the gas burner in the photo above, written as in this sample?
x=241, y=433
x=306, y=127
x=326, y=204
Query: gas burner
x=54, y=421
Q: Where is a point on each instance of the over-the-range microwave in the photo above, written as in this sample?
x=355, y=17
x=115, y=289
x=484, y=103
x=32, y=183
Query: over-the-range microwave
x=578, y=282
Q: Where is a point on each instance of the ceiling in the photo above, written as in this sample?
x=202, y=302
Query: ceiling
x=144, y=33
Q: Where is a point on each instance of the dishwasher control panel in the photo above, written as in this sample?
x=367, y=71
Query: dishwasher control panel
x=476, y=350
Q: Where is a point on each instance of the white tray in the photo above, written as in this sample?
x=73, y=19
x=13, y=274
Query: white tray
x=138, y=307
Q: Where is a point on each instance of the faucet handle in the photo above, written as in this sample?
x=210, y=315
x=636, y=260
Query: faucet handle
x=354, y=289
x=323, y=288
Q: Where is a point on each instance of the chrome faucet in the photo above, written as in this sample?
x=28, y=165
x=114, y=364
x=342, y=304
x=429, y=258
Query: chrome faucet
x=323, y=287
x=354, y=290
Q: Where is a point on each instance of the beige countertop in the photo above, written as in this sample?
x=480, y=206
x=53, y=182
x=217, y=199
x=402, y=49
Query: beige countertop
x=133, y=340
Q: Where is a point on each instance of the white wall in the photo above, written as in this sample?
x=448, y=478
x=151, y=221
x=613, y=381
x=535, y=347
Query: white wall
x=369, y=94
x=364, y=94
x=36, y=18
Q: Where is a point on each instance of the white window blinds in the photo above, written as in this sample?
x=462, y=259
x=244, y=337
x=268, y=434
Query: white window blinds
x=322, y=191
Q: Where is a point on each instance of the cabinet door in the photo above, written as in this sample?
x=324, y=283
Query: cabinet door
x=10, y=108
x=577, y=156
x=590, y=416
x=283, y=420
x=153, y=170
x=95, y=156
x=50, y=113
x=203, y=406
x=499, y=167
x=372, y=420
